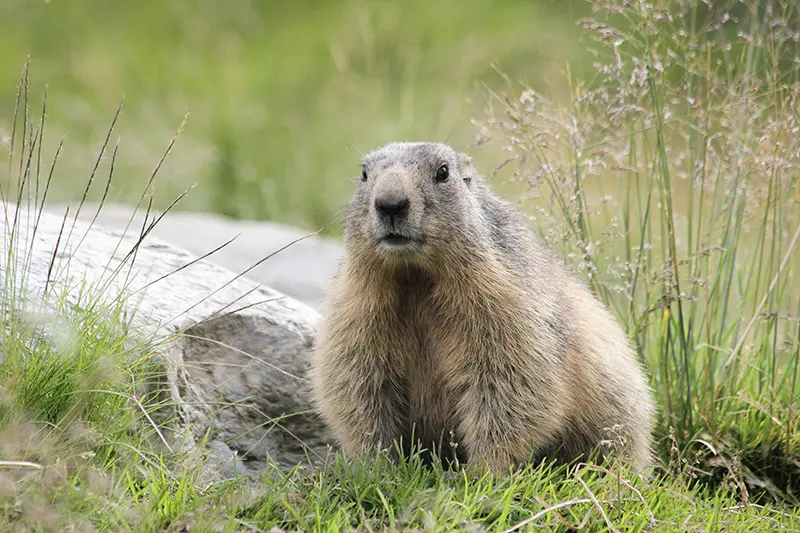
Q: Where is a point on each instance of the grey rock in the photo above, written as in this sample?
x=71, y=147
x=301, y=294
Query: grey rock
x=301, y=270
x=236, y=351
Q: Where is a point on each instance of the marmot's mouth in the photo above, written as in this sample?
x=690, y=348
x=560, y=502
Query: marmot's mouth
x=396, y=239
x=399, y=241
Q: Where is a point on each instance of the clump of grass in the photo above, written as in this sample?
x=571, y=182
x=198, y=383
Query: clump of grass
x=671, y=183
x=373, y=494
x=77, y=430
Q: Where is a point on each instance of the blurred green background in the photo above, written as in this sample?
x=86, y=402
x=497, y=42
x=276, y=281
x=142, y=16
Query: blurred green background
x=282, y=96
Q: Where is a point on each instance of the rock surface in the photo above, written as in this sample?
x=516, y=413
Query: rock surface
x=239, y=366
x=301, y=271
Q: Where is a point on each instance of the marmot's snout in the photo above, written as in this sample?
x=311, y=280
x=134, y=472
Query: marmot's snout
x=395, y=220
x=392, y=208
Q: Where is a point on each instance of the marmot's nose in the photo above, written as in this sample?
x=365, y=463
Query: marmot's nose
x=392, y=205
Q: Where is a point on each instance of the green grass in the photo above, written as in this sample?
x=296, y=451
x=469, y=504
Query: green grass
x=674, y=190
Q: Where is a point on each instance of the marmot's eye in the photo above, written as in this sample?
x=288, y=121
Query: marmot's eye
x=443, y=173
x=363, y=173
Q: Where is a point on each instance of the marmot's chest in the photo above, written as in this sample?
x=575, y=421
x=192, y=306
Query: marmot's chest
x=431, y=405
x=431, y=402
x=430, y=396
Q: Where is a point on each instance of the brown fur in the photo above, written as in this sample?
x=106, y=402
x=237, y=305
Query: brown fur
x=469, y=330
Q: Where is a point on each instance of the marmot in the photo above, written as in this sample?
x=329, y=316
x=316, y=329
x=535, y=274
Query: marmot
x=448, y=319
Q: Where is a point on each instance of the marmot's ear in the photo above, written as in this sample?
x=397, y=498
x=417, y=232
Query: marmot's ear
x=466, y=168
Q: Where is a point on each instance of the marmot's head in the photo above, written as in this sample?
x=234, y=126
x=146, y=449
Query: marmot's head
x=412, y=200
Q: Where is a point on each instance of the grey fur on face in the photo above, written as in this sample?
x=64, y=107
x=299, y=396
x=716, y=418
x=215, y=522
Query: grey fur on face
x=410, y=193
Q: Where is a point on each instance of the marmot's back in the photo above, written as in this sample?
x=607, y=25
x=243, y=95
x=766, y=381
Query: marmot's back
x=449, y=320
